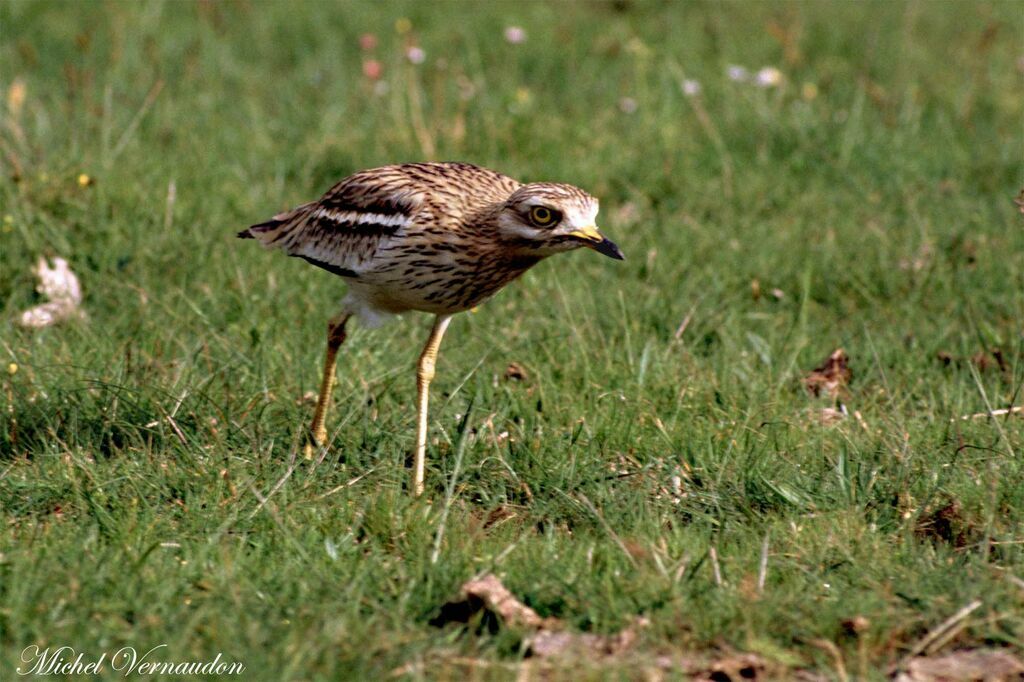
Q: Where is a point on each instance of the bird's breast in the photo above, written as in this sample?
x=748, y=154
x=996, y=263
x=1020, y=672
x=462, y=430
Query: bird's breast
x=441, y=280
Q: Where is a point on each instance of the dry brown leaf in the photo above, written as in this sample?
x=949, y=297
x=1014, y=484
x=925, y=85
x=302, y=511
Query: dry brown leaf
x=515, y=372
x=489, y=593
x=947, y=522
x=856, y=625
x=993, y=359
x=831, y=377
x=984, y=360
x=499, y=515
x=736, y=667
x=1020, y=197
x=990, y=665
x=547, y=643
x=550, y=638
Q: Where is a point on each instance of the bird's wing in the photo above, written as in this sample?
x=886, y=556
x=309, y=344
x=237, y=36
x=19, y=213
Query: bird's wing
x=343, y=230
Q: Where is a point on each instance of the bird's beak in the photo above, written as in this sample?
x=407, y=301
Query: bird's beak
x=593, y=239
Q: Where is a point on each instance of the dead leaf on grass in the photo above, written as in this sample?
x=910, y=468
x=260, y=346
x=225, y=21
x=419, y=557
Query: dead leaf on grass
x=499, y=515
x=696, y=667
x=831, y=377
x=963, y=666
x=60, y=285
x=742, y=667
x=489, y=593
x=547, y=643
x=738, y=666
x=946, y=522
x=856, y=625
x=515, y=372
x=1020, y=197
x=550, y=637
x=993, y=359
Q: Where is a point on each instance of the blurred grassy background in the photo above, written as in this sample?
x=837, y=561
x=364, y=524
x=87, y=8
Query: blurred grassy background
x=864, y=201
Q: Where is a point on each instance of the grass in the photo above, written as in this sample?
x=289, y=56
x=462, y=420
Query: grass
x=149, y=482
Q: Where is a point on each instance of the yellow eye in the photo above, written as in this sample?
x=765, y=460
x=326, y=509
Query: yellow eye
x=541, y=216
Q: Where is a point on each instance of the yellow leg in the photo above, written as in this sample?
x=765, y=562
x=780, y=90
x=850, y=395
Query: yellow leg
x=424, y=375
x=335, y=337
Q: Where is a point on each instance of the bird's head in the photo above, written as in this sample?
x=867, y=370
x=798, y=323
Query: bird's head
x=546, y=218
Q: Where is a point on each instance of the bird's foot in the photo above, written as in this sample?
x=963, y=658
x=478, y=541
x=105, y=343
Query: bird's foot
x=314, y=444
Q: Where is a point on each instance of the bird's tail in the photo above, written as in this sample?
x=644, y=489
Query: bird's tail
x=273, y=231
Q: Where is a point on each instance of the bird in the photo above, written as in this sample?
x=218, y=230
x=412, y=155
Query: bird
x=437, y=237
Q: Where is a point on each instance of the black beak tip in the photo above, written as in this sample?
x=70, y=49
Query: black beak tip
x=609, y=248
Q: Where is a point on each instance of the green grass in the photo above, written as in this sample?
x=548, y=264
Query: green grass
x=880, y=207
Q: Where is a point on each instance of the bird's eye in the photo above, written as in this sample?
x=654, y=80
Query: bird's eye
x=541, y=216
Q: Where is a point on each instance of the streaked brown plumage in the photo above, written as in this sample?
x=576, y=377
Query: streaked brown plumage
x=435, y=237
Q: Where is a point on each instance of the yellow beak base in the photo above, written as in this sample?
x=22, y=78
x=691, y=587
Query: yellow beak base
x=592, y=238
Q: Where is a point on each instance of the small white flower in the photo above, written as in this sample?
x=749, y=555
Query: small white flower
x=415, y=55
x=515, y=35
x=628, y=105
x=691, y=88
x=737, y=74
x=768, y=77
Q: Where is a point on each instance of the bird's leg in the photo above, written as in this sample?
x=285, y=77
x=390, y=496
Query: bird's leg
x=335, y=337
x=424, y=375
